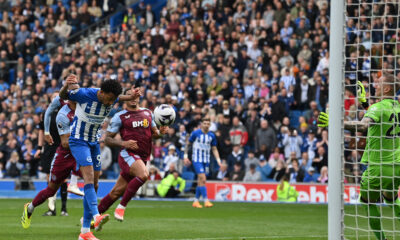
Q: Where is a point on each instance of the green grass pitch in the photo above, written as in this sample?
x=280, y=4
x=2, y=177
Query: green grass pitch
x=178, y=220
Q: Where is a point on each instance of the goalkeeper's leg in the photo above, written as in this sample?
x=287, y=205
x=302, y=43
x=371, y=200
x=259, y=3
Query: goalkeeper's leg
x=374, y=218
x=370, y=191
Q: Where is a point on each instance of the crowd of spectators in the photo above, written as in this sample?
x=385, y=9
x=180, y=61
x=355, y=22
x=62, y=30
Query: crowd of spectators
x=259, y=68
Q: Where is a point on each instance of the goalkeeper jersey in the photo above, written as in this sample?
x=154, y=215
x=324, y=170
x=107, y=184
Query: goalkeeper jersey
x=383, y=139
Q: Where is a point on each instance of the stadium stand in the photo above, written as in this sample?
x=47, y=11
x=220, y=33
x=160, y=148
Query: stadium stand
x=240, y=61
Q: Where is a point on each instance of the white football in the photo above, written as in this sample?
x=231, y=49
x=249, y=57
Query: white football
x=164, y=115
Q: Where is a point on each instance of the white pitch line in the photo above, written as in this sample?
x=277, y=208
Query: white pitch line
x=243, y=238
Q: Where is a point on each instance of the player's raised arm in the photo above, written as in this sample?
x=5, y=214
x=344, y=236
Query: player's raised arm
x=362, y=95
x=135, y=94
x=71, y=83
x=55, y=104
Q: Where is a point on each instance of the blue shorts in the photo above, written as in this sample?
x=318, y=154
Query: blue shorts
x=200, y=167
x=85, y=153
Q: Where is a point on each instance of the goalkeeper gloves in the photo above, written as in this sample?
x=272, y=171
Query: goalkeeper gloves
x=323, y=120
x=361, y=92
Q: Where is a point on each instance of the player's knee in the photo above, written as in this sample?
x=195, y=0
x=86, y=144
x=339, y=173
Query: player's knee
x=53, y=188
x=144, y=176
x=389, y=197
x=202, y=178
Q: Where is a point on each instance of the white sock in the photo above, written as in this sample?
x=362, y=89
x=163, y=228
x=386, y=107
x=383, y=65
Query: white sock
x=205, y=199
x=196, y=199
x=121, y=207
x=95, y=216
x=52, y=202
x=85, y=230
x=74, y=180
x=31, y=208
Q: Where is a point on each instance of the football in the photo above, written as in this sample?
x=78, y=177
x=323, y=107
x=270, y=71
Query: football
x=164, y=115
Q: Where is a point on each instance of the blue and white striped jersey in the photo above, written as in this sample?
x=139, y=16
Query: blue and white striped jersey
x=202, y=143
x=89, y=114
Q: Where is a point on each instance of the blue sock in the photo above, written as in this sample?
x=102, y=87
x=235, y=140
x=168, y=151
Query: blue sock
x=198, y=192
x=87, y=216
x=91, y=198
x=204, y=192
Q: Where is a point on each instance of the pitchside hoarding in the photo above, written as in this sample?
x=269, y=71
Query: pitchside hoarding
x=262, y=192
x=221, y=191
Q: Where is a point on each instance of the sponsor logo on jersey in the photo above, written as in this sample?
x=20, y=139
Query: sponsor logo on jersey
x=144, y=123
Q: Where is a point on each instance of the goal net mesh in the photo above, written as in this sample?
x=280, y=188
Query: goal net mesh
x=371, y=49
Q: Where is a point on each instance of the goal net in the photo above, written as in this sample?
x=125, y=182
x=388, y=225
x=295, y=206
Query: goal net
x=371, y=49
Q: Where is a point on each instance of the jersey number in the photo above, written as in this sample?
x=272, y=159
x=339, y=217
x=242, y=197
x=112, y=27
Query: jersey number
x=390, y=132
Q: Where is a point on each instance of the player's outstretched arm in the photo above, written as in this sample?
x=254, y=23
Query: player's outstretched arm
x=135, y=94
x=359, y=126
x=71, y=83
x=111, y=141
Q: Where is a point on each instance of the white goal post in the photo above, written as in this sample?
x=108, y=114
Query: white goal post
x=335, y=154
x=364, y=45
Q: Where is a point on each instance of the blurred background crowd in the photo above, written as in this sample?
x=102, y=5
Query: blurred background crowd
x=259, y=68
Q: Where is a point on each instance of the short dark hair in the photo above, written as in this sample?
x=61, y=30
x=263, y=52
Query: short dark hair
x=205, y=118
x=111, y=86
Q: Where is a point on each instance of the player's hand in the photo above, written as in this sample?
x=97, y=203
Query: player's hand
x=361, y=92
x=164, y=129
x=71, y=79
x=135, y=92
x=323, y=120
x=219, y=163
x=187, y=162
x=131, y=145
x=49, y=139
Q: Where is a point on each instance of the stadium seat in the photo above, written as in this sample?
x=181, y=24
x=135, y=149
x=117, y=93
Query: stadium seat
x=11, y=75
x=315, y=177
x=294, y=118
x=54, y=7
x=189, y=177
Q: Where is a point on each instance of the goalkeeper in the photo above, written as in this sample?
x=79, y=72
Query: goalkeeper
x=382, y=151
